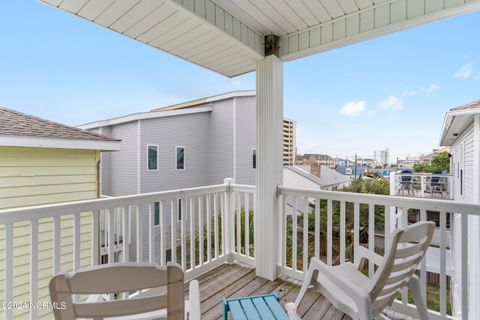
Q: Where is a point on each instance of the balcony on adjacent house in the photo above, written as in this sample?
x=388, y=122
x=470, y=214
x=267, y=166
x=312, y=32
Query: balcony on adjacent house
x=422, y=185
x=210, y=232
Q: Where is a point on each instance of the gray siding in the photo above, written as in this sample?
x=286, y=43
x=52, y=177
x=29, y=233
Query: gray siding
x=245, y=139
x=119, y=168
x=189, y=131
x=468, y=165
x=220, y=142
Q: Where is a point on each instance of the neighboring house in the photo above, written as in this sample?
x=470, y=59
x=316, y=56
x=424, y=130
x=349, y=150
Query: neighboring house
x=407, y=163
x=301, y=178
x=351, y=171
x=320, y=159
x=461, y=132
x=43, y=162
x=187, y=145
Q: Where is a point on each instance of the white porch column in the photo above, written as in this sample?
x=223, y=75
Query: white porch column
x=269, y=121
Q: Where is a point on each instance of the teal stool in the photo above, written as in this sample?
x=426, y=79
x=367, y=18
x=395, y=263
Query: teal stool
x=262, y=307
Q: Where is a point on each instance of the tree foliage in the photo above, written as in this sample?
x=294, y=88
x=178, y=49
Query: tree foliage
x=440, y=162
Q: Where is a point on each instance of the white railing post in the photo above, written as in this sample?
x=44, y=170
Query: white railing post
x=269, y=175
x=423, y=185
x=392, y=210
x=228, y=224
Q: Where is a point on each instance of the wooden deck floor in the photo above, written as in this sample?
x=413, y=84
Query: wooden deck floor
x=236, y=280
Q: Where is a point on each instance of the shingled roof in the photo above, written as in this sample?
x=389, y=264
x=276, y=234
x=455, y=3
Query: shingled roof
x=471, y=105
x=15, y=123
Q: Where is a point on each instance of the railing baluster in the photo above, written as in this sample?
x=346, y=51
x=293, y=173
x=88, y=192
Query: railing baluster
x=33, y=266
x=294, y=235
x=111, y=235
x=317, y=228
x=464, y=265
x=139, y=235
x=403, y=223
x=254, y=212
x=163, y=234
x=247, y=224
x=95, y=230
x=423, y=265
x=305, y=235
x=8, y=269
x=443, y=263
x=228, y=230
x=356, y=229
x=200, y=230
x=283, y=230
x=342, y=232
x=329, y=231
x=209, y=226
x=215, y=223
x=173, y=235
x=56, y=245
x=76, y=241
x=182, y=210
x=238, y=207
x=192, y=234
x=151, y=232
x=126, y=234
x=371, y=235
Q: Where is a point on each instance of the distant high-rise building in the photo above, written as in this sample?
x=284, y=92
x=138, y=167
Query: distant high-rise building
x=289, y=141
x=381, y=157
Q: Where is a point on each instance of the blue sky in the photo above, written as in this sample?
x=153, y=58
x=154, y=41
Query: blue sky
x=390, y=92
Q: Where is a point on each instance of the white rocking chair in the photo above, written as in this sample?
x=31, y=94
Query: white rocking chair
x=125, y=277
x=350, y=291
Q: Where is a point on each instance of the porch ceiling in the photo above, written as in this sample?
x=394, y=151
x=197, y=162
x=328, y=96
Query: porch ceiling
x=227, y=36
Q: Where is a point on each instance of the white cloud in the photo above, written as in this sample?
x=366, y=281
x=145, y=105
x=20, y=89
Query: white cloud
x=353, y=108
x=391, y=103
x=430, y=88
x=408, y=93
x=464, y=72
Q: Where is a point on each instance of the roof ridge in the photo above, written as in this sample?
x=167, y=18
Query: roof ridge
x=25, y=115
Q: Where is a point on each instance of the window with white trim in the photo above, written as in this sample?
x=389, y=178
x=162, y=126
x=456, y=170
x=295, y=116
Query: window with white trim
x=152, y=157
x=180, y=158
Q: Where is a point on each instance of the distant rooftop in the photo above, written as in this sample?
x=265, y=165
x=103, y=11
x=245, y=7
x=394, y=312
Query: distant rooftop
x=328, y=177
x=20, y=129
x=471, y=105
x=193, y=106
x=20, y=124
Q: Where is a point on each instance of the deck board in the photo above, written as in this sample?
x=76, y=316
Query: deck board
x=237, y=280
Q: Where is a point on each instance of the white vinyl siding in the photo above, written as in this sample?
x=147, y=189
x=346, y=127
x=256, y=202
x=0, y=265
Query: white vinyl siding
x=38, y=176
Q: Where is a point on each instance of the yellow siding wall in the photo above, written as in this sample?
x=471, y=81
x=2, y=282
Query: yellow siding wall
x=36, y=176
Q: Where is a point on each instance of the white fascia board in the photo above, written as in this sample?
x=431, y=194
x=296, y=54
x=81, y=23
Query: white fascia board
x=229, y=95
x=58, y=143
x=142, y=116
x=449, y=120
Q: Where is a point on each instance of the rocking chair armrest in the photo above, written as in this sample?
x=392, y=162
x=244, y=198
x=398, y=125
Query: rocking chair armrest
x=194, y=298
x=364, y=253
x=340, y=281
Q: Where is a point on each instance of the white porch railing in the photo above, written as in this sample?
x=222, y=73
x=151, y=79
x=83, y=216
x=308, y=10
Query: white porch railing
x=213, y=225
x=346, y=220
x=422, y=185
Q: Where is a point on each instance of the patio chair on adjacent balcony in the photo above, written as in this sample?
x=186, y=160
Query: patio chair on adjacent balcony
x=350, y=291
x=406, y=181
x=125, y=278
x=437, y=184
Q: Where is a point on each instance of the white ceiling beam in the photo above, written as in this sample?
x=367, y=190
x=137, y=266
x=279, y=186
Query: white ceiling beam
x=209, y=12
x=370, y=22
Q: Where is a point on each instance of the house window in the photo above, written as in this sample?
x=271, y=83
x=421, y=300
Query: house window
x=461, y=182
x=254, y=158
x=179, y=209
x=157, y=213
x=180, y=154
x=152, y=157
